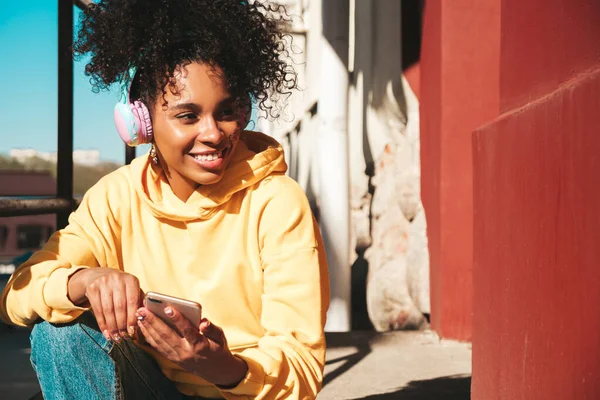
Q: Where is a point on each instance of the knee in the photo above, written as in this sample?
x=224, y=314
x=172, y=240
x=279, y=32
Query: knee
x=70, y=359
x=54, y=340
x=47, y=337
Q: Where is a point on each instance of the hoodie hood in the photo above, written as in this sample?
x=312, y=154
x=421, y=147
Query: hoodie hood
x=256, y=157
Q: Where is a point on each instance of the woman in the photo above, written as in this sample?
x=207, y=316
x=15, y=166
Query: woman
x=208, y=216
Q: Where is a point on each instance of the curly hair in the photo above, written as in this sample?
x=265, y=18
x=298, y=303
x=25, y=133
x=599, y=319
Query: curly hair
x=159, y=36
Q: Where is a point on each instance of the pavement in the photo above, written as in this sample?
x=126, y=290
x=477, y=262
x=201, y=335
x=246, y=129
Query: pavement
x=360, y=365
x=403, y=365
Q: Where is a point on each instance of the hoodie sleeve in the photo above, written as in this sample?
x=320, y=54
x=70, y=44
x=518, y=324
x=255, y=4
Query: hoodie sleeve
x=289, y=359
x=38, y=288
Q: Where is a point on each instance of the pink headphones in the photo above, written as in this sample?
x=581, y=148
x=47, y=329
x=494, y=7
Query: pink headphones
x=132, y=119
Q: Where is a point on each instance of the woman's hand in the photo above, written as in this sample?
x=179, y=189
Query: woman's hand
x=113, y=295
x=202, y=350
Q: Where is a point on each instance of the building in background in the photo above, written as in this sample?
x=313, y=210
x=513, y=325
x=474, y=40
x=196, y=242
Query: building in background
x=23, y=234
x=81, y=157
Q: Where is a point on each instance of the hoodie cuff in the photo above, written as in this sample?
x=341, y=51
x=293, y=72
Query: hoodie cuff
x=251, y=385
x=56, y=290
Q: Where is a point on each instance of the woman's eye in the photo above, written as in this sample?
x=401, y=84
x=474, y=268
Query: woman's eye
x=187, y=117
x=227, y=113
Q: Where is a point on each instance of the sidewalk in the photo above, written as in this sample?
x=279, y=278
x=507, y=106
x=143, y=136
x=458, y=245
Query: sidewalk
x=360, y=365
x=396, y=366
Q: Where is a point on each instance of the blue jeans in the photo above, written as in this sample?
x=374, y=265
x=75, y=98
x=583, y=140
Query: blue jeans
x=74, y=361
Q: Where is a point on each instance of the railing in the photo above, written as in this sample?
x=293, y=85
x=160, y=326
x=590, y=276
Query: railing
x=17, y=207
x=64, y=203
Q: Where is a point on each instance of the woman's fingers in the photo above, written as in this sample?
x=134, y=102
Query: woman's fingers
x=212, y=331
x=93, y=295
x=120, y=307
x=108, y=308
x=159, y=335
x=149, y=338
x=114, y=296
x=133, y=295
x=188, y=331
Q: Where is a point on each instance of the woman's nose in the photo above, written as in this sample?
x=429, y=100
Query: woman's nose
x=208, y=130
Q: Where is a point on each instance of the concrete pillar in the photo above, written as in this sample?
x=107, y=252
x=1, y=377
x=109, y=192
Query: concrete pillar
x=459, y=92
x=334, y=199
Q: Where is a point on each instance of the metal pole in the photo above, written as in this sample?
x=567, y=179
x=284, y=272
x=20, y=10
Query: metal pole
x=19, y=207
x=334, y=201
x=64, y=163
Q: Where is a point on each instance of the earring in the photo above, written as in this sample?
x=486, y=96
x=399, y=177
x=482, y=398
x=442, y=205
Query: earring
x=153, y=155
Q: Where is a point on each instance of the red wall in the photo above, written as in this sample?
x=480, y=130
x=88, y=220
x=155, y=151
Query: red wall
x=536, y=326
x=459, y=92
x=545, y=43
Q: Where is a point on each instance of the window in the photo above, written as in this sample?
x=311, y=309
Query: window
x=31, y=237
x=3, y=236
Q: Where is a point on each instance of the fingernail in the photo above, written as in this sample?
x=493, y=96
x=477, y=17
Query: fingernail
x=169, y=311
x=106, y=334
x=131, y=330
x=116, y=337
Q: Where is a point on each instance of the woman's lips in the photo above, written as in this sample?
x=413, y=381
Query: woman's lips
x=213, y=160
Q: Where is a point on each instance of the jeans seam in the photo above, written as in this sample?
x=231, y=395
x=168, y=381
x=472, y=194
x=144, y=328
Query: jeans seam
x=109, y=346
x=118, y=387
x=140, y=375
x=110, y=343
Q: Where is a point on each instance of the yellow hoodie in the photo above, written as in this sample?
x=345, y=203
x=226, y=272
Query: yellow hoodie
x=246, y=248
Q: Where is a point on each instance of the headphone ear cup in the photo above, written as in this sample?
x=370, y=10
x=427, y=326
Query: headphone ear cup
x=140, y=110
x=127, y=124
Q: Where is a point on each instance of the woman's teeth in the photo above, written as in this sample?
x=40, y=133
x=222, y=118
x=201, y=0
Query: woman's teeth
x=208, y=157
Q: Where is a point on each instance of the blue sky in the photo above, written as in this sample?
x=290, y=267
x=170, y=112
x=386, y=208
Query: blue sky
x=28, y=105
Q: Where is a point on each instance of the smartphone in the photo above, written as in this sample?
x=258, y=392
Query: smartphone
x=156, y=303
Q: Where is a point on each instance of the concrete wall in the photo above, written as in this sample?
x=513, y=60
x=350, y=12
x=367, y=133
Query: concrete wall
x=536, y=196
x=388, y=226
x=387, y=214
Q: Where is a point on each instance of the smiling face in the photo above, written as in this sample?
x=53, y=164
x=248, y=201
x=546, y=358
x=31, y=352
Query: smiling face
x=196, y=133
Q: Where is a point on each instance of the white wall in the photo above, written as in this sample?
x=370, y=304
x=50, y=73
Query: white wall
x=387, y=217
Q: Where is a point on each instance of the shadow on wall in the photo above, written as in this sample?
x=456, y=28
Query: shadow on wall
x=456, y=387
x=359, y=271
